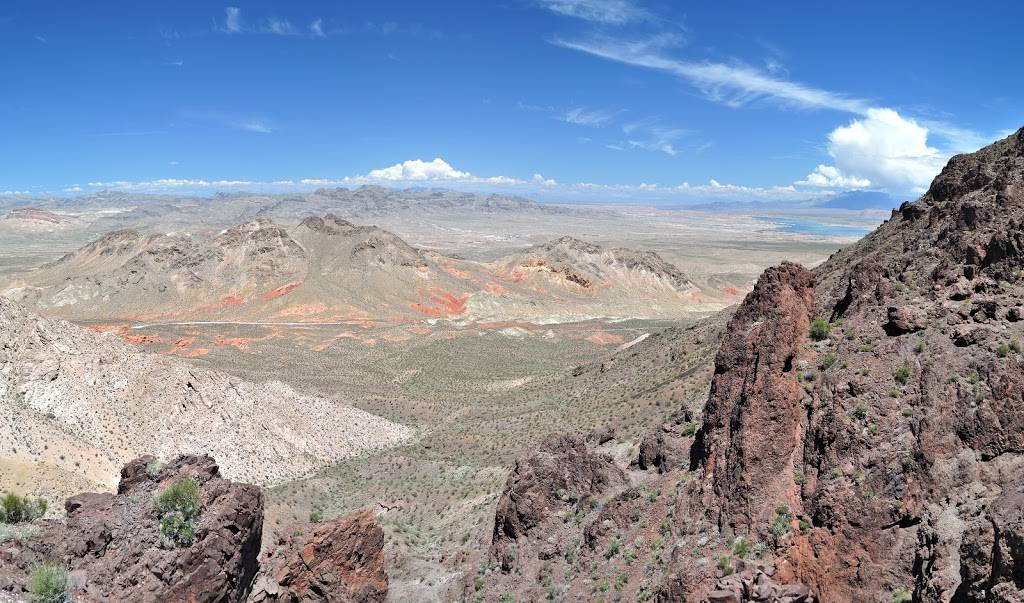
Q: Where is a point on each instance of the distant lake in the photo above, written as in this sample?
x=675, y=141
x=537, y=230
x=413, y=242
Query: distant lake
x=815, y=228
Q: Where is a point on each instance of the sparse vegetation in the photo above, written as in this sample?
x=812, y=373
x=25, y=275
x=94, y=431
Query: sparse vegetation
x=901, y=595
x=820, y=330
x=178, y=508
x=17, y=509
x=860, y=411
x=828, y=360
x=153, y=468
x=48, y=583
x=902, y=375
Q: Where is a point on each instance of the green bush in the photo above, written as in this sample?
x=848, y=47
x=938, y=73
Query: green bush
x=820, y=330
x=902, y=375
x=900, y=595
x=1002, y=350
x=691, y=428
x=316, y=516
x=48, y=584
x=17, y=509
x=828, y=360
x=178, y=508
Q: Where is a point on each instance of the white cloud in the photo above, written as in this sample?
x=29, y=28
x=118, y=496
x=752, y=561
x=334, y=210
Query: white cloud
x=883, y=149
x=733, y=85
x=609, y=12
x=281, y=27
x=73, y=189
x=830, y=177
x=13, y=193
x=416, y=170
x=232, y=19
x=316, y=28
x=539, y=179
x=582, y=116
x=254, y=126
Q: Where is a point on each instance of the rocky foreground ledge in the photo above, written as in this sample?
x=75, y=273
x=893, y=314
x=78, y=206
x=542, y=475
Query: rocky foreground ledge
x=141, y=544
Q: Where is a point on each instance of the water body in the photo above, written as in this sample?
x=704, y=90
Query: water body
x=815, y=228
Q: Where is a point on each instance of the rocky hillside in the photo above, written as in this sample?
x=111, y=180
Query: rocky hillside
x=86, y=403
x=326, y=269
x=862, y=440
x=122, y=547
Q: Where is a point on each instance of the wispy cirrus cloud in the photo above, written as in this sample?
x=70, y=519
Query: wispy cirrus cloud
x=608, y=12
x=232, y=19
x=732, y=84
x=583, y=116
x=234, y=24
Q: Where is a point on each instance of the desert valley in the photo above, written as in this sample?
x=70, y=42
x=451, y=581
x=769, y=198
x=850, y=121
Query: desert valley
x=640, y=313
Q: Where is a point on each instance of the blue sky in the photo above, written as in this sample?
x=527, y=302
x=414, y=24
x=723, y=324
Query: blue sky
x=560, y=99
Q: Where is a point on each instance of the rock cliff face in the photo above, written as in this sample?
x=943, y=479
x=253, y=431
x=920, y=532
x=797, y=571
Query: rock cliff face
x=878, y=460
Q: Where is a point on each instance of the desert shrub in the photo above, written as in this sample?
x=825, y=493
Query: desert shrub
x=691, y=428
x=828, y=360
x=820, y=330
x=316, y=516
x=1002, y=350
x=17, y=509
x=153, y=468
x=725, y=565
x=48, y=583
x=860, y=411
x=900, y=595
x=740, y=547
x=18, y=532
x=178, y=508
x=1015, y=345
x=902, y=375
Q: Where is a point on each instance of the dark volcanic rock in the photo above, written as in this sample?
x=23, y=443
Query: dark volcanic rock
x=338, y=561
x=752, y=421
x=111, y=542
x=561, y=474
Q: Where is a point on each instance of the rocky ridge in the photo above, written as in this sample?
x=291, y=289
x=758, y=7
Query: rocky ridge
x=862, y=439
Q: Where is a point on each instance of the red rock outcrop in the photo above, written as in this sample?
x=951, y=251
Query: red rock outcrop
x=338, y=561
x=751, y=440
x=562, y=474
x=111, y=542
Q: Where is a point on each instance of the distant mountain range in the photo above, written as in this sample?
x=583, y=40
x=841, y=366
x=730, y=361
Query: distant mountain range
x=327, y=269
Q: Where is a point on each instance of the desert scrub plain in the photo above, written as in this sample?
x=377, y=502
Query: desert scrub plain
x=476, y=398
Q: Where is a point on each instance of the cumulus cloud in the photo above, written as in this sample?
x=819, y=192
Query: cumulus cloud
x=608, y=12
x=417, y=169
x=830, y=177
x=882, y=149
x=540, y=179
